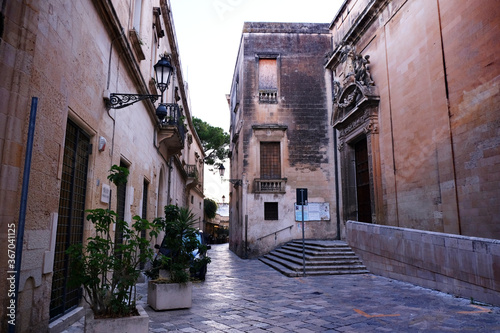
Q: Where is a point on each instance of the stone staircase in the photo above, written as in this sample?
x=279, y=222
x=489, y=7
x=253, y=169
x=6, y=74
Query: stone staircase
x=323, y=257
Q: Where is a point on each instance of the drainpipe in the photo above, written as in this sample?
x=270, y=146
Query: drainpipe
x=15, y=270
x=169, y=202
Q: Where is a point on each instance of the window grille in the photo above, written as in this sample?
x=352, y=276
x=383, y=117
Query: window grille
x=270, y=210
x=270, y=160
x=70, y=218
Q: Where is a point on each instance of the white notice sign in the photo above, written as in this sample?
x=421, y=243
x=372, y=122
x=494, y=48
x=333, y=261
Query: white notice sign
x=314, y=211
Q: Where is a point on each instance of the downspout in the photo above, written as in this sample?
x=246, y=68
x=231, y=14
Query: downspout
x=14, y=271
x=169, y=202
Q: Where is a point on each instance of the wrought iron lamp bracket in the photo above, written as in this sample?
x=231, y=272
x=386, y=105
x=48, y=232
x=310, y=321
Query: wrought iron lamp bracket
x=236, y=182
x=119, y=101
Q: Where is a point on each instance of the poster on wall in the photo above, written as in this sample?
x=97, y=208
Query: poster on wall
x=314, y=211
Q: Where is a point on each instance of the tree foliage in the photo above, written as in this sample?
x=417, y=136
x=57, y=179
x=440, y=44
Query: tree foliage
x=210, y=207
x=214, y=140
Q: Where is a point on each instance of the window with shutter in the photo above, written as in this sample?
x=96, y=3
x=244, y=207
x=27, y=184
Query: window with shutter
x=270, y=160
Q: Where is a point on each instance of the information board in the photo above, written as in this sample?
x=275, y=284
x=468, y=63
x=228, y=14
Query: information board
x=314, y=211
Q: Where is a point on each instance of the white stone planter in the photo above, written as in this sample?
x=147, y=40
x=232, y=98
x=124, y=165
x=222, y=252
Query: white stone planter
x=169, y=296
x=135, y=324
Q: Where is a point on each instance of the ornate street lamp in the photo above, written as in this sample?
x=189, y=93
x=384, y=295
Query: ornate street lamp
x=235, y=182
x=163, y=72
x=222, y=170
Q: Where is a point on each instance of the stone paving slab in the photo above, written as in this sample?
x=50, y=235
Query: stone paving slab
x=248, y=296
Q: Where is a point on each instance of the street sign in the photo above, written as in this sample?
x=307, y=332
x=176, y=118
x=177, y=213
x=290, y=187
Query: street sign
x=302, y=201
x=302, y=196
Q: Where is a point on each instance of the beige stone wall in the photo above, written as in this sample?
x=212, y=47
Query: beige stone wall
x=434, y=69
x=67, y=56
x=459, y=265
x=473, y=75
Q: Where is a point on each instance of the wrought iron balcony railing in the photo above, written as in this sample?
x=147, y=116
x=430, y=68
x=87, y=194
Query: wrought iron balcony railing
x=191, y=171
x=174, y=118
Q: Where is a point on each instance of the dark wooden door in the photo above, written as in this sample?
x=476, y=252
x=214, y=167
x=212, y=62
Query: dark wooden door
x=363, y=182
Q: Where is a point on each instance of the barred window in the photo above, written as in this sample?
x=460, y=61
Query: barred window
x=270, y=160
x=270, y=210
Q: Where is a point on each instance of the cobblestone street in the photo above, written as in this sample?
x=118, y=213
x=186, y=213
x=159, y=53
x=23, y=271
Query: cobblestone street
x=248, y=296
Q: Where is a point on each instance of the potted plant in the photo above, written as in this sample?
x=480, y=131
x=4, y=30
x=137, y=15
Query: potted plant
x=174, y=289
x=108, y=271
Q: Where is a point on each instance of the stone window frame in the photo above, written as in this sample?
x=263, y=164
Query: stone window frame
x=270, y=133
x=268, y=96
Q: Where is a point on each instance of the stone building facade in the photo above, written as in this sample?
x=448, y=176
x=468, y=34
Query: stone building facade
x=281, y=137
x=72, y=56
x=412, y=90
x=416, y=108
x=416, y=89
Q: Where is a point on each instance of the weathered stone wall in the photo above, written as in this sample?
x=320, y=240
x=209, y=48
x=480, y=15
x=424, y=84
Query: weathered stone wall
x=299, y=120
x=460, y=265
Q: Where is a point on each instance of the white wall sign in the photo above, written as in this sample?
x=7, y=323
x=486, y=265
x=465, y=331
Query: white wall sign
x=105, y=192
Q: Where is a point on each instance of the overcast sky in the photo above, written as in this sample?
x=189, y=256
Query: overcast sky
x=208, y=35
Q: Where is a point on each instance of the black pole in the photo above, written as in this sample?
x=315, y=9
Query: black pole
x=303, y=240
x=337, y=191
x=15, y=270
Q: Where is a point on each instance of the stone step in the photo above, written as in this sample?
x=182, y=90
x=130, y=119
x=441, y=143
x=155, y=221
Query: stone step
x=312, y=266
x=298, y=251
x=321, y=258
x=291, y=269
x=319, y=247
x=312, y=260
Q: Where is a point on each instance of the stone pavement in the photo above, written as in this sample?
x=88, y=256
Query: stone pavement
x=248, y=296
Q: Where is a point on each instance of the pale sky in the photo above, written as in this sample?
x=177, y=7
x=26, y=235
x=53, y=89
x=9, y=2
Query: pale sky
x=208, y=35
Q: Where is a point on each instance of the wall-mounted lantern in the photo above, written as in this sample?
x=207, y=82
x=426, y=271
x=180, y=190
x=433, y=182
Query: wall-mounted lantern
x=163, y=72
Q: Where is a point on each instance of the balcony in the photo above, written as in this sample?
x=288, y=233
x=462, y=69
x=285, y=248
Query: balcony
x=171, y=132
x=193, y=177
x=269, y=96
x=269, y=185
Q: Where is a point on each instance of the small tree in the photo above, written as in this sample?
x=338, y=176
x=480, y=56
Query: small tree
x=210, y=207
x=214, y=140
x=107, y=278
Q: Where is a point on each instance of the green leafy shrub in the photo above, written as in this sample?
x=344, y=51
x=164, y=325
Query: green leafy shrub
x=180, y=241
x=108, y=278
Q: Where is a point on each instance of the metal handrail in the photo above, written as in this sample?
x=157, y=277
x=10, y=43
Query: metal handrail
x=289, y=227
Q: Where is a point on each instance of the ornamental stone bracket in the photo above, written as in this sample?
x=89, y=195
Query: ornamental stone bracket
x=170, y=140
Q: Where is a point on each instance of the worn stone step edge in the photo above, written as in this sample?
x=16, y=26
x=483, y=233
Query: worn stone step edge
x=295, y=273
x=318, y=247
x=321, y=243
x=298, y=265
x=314, y=260
x=308, y=254
x=316, y=253
x=280, y=268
